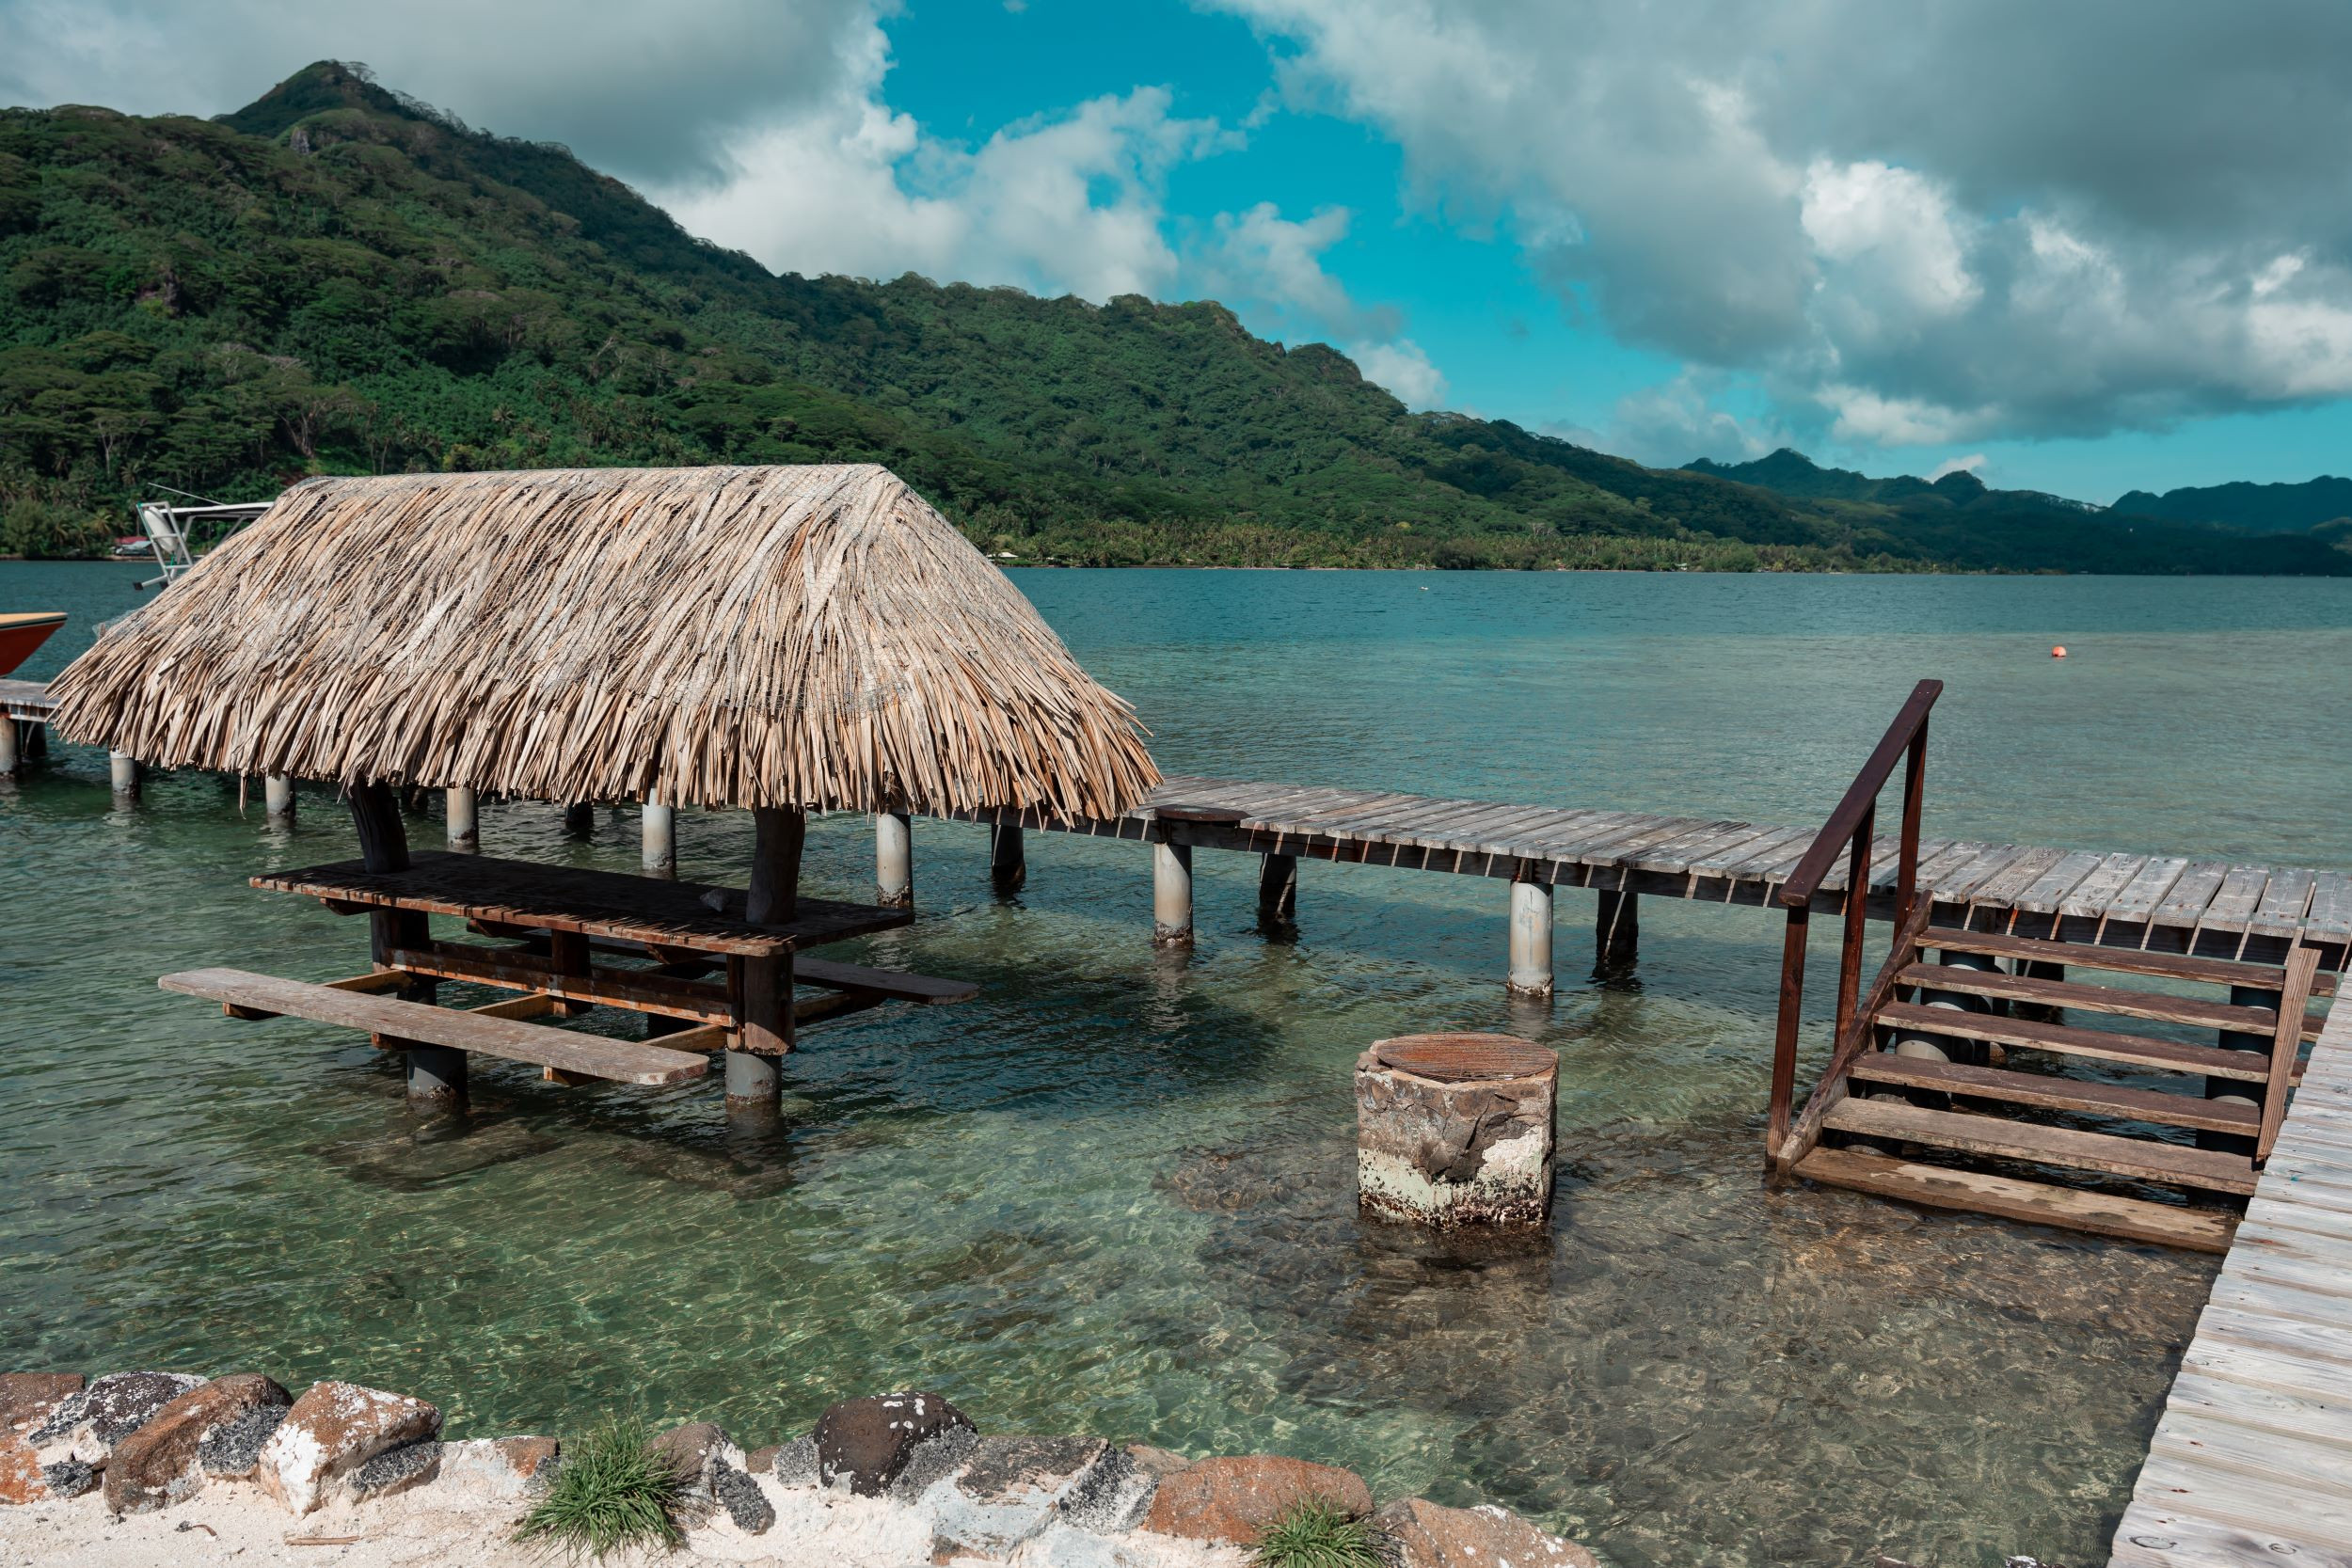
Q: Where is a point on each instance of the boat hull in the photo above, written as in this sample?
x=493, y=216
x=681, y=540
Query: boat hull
x=20, y=634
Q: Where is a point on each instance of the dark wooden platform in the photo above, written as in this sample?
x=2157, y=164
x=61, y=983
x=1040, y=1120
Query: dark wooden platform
x=690, y=916
x=27, y=700
x=2156, y=903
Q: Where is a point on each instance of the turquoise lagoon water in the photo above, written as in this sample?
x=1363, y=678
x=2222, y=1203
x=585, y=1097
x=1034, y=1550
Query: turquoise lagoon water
x=1115, y=1193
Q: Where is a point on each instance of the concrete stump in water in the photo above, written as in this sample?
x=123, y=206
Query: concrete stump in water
x=1456, y=1129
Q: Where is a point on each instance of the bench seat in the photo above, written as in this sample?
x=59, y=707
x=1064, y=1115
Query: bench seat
x=577, y=1054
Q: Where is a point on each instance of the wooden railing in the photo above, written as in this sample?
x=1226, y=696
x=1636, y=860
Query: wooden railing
x=1850, y=830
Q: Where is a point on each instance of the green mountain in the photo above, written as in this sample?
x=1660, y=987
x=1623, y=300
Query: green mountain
x=2255, y=508
x=340, y=279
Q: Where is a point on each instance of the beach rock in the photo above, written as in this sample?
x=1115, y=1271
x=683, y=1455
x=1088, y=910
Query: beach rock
x=1116, y=1492
x=794, y=1464
x=1063, y=1545
x=1158, y=1462
x=1232, y=1501
x=158, y=1464
x=1004, y=1491
x=761, y=1462
x=70, y=1478
x=86, y=1428
x=26, y=1401
x=232, y=1452
x=696, y=1450
x=931, y=1461
x=395, y=1471
x=863, y=1444
x=497, y=1467
x=747, y=1507
x=331, y=1431
x=1424, y=1535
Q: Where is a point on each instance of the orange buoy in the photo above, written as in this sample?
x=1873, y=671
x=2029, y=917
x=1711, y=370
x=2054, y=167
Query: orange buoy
x=2058, y=652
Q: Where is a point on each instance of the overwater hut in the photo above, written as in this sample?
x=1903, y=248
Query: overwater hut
x=783, y=639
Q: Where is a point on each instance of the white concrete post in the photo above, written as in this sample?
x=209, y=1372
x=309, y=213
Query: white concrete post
x=894, y=860
x=278, y=796
x=1171, y=894
x=123, y=770
x=1530, y=939
x=465, y=820
x=658, y=832
x=11, y=753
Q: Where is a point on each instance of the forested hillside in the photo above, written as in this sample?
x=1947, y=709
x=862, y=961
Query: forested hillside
x=2255, y=508
x=338, y=279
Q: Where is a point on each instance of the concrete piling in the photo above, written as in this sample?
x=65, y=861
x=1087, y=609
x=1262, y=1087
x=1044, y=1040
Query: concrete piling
x=1530, y=939
x=277, y=798
x=122, y=770
x=1457, y=1130
x=11, y=748
x=579, y=818
x=465, y=820
x=436, y=1078
x=894, y=861
x=658, y=839
x=1171, y=894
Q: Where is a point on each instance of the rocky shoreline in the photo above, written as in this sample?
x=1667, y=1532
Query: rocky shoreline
x=146, y=1466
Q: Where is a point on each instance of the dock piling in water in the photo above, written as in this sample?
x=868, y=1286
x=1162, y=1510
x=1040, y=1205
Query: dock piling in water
x=1454, y=1130
x=436, y=1078
x=579, y=818
x=465, y=820
x=1616, y=931
x=1530, y=939
x=11, y=748
x=894, y=860
x=1008, y=857
x=658, y=836
x=122, y=770
x=1277, y=890
x=278, y=797
x=1171, y=894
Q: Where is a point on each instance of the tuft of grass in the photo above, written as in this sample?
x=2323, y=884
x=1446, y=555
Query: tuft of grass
x=611, y=1490
x=1314, y=1534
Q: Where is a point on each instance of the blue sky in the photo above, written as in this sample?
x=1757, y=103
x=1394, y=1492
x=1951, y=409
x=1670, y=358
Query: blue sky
x=2082, y=249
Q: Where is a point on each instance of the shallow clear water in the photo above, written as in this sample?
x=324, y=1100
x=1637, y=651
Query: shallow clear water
x=1115, y=1192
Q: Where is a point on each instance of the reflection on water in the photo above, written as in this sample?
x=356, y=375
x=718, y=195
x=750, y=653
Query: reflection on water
x=1115, y=1192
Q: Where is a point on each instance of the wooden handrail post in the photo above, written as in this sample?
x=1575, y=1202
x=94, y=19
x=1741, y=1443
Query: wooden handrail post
x=1784, y=1036
x=1915, y=794
x=1857, y=916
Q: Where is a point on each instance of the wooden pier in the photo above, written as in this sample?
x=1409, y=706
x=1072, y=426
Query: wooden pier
x=2253, y=1459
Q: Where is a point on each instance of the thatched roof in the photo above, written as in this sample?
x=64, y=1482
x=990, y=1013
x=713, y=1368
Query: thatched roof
x=717, y=637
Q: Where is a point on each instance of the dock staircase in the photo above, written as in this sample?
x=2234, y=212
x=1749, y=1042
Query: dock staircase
x=1979, y=1071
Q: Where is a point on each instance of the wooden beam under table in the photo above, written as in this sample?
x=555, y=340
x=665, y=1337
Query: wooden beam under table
x=633, y=990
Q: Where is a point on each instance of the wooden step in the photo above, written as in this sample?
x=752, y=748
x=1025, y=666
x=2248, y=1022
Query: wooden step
x=2153, y=1005
x=2107, y=1045
x=582, y=1056
x=2132, y=1219
x=2058, y=1094
x=2136, y=1158
x=2119, y=960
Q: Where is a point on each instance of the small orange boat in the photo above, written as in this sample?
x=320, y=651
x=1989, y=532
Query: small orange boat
x=21, y=633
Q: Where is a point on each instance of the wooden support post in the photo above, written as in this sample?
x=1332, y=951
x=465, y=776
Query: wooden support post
x=123, y=770
x=1616, y=931
x=579, y=818
x=1531, y=937
x=463, y=813
x=384, y=847
x=2234, y=1090
x=894, y=861
x=1171, y=894
x=1277, y=890
x=764, y=985
x=11, y=748
x=1008, y=858
x=278, y=797
x=657, y=829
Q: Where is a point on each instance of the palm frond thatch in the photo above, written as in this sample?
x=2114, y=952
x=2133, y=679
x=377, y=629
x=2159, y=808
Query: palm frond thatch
x=714, y=637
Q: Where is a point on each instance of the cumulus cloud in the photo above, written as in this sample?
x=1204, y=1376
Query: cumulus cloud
x=1954, y=220
x=1679, y=419
x=1404, y=370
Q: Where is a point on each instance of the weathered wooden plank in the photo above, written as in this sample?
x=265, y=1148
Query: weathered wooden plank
x=2236, y=899
x=2001, y=890
x=2162, y=1537
x=2050, y=890
x=2058, y=1146
x=590, y=1055
x=2331, y=904
x=2284, y=903
x=2031, y=1202
x=637, y=991
x=2122, y=960
x=2147, y=891
x=2117, y=1000
x=2095, y=893
x=2055, y=1092
x=923, y=990
x=2185, y=904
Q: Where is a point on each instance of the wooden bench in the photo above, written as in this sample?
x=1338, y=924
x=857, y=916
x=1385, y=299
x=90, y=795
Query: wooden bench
x=576, y=1055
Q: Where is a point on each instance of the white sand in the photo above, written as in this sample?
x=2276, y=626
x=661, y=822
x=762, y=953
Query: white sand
x=231, y=1523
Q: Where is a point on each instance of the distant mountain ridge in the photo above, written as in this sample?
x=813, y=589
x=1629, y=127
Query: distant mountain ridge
x=340, y=279
x=1791, y=473
x=2255, y=508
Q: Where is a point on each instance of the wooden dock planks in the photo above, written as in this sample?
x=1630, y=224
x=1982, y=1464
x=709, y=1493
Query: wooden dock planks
x=2251, y=1460
x=2155, y=904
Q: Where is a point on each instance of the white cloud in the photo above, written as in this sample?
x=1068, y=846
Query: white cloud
x=1972, y=464
x=1668, y=424
x=1404, y=370
x=1903, y=223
